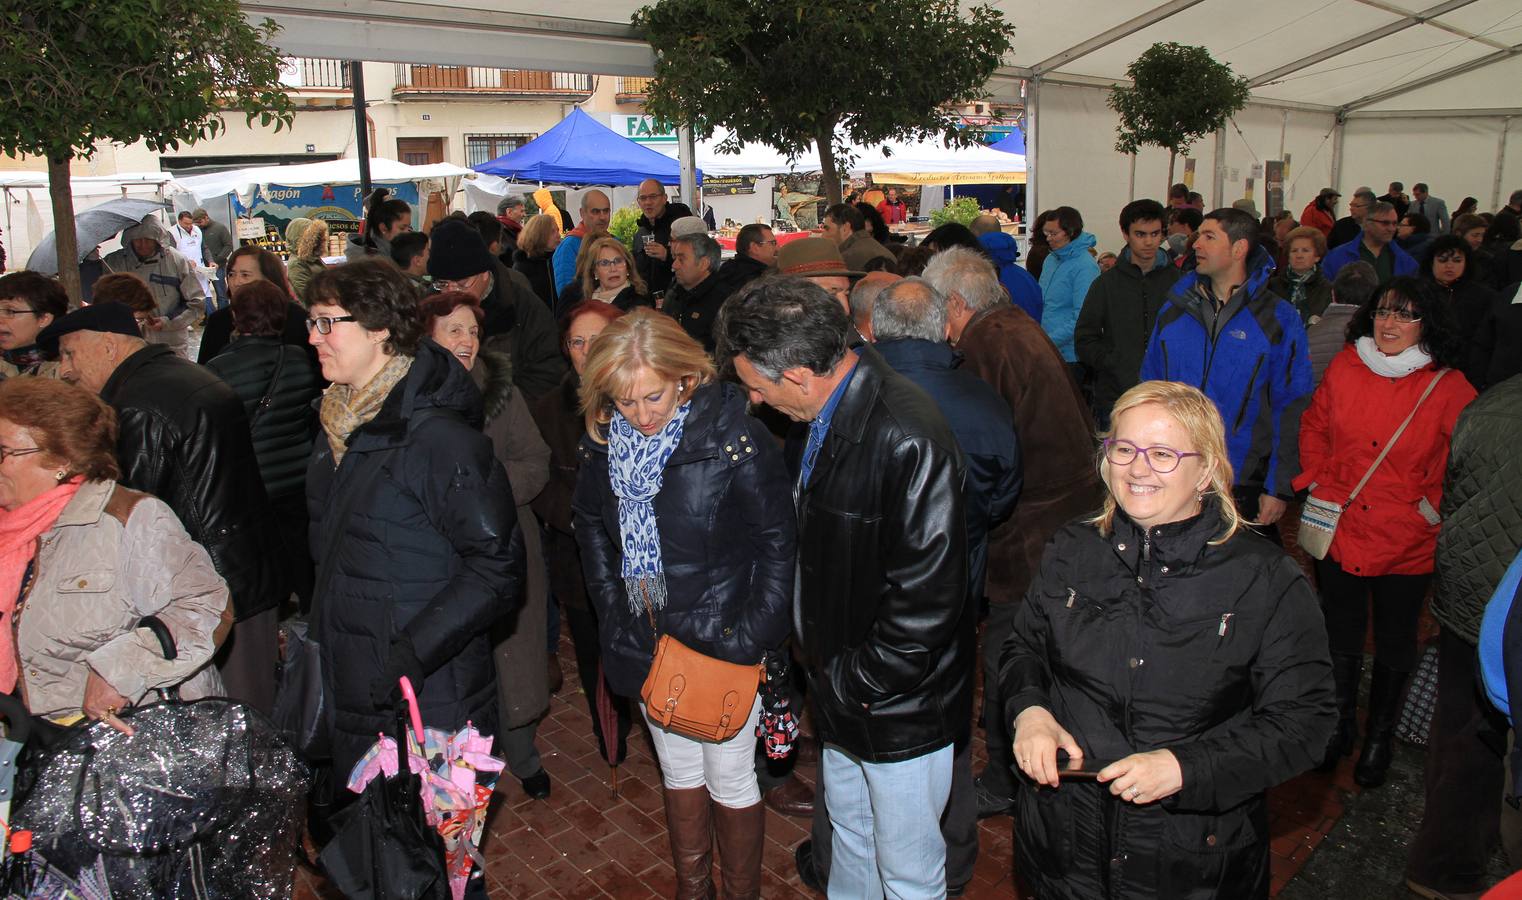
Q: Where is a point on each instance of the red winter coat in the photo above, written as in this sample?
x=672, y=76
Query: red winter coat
x=1317, y=218
x=1352, y=414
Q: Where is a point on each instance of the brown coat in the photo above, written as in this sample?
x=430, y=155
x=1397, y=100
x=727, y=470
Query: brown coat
x=113, y=557
x=1007, y=348
x=520, y=652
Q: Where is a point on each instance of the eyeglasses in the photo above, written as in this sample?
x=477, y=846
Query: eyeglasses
x=1049, y=235
x=7, y=312
x=1160, y=459
x=644, y=197
x=6, y=451
x=773, y=242
x=579, y=343
x=1388, y=223
x=324, y=324
x=1402, y=316
x=610, y=263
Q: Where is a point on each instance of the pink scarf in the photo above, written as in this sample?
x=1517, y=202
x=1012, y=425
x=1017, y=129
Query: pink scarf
x=19, y=530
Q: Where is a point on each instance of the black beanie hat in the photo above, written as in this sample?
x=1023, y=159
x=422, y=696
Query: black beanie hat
x=456, y=251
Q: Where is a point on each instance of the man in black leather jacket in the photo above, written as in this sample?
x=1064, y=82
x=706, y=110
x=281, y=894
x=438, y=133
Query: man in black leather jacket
x=183, y=437
x=882, y=611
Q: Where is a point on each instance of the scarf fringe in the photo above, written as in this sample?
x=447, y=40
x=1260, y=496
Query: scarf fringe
x=643, y=587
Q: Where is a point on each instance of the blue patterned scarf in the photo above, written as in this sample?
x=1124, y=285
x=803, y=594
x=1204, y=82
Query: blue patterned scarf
x=635, y=467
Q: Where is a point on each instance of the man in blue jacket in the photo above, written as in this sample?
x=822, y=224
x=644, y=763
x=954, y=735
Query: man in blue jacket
x=1225, y=333
x=1374, y=245
x=1023, y=289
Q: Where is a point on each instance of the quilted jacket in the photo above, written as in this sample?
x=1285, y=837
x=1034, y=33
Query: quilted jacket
x=1482, y=508
x=113, y=557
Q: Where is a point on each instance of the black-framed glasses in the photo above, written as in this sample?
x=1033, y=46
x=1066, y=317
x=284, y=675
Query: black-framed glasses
x=1402, y=316
x=10, y=312
x=24, y=451
x=1160, y=458
x=324, y=324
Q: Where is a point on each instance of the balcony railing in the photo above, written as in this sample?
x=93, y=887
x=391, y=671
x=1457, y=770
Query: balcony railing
x=308, y=72
x=480, y=80
x=634, y=87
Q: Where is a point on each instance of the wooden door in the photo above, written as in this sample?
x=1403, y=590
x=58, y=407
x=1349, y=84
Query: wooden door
x=420, y=151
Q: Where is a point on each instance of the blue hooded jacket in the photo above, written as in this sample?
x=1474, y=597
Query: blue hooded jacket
x=1249, y=357
x=1023, y=289
x=1065, y=279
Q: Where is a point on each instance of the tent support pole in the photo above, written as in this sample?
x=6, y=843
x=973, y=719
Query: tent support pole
x=685, y=154
x=1218, y=183
x=1032, y=146
x=1131, y=184
x=1337, y=128
x=361, y=127
x=1495, y=193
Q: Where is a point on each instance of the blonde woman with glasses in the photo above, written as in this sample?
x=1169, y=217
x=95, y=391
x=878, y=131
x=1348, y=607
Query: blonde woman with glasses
x=1167, y=668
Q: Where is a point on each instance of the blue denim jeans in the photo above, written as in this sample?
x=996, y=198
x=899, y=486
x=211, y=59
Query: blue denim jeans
x=887, y=821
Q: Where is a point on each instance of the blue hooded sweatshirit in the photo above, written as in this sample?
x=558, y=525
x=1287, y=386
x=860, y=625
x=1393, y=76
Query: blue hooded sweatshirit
x=1249, y=357
x=1022, y=286
x=1065, y=279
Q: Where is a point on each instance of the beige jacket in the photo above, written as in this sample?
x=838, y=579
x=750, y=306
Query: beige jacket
x=113, y=557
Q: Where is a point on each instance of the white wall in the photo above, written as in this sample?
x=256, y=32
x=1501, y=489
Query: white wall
x=1455, y=156
x=1077, y=164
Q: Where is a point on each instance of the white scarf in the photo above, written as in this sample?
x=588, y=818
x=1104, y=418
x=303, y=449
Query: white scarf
x=1409, y=360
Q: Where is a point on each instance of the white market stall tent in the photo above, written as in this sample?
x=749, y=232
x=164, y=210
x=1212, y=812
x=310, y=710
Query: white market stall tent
x=28, y=214
x=1350, y=92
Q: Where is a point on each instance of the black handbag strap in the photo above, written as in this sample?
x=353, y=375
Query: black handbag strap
x=269, y=391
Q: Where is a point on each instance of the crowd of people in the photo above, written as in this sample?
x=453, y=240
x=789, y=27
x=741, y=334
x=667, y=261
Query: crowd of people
x=851, y=471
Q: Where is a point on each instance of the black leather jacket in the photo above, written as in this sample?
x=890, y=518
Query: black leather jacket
x=727, y=539
x=884, y=614
x=183, y=437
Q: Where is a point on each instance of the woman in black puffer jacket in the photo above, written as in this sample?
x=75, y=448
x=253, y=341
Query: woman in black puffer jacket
x=277, y=383
x=536, y=245
x=1181, y=656
x=414, y=529
x=684, y=514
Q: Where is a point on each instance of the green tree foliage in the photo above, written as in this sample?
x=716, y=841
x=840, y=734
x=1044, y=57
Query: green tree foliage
x=77, y=72
x=1178, y=94
x=786, y=73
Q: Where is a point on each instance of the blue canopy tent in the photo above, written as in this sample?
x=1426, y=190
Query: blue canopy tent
x=580, y=150
x=1014, y=142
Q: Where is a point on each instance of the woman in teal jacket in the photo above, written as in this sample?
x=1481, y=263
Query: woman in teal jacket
x=1065, y=277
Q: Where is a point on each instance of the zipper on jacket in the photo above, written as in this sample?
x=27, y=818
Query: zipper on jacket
x=1247, y=394
x=1225, y=624
x=1147, y=545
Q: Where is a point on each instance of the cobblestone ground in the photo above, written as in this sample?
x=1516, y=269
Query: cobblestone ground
x=1327, y=838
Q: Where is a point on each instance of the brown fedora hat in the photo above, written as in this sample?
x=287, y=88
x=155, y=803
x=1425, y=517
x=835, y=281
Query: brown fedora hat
x=813, y=256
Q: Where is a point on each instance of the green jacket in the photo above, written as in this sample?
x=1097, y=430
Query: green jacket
x=1481, y=509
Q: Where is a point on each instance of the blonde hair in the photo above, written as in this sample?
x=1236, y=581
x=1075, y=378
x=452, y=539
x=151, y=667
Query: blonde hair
x=586, y=266
x=537, y=233
x=1202, y=422
x=642, y=339
x=313, y=240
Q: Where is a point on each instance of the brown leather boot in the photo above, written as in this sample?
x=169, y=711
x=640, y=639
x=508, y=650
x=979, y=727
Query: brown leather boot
x=689, y=825
x=741, y=833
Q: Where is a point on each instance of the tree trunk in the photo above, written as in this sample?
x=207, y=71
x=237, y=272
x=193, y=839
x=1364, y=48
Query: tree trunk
x=829, y=178
x=1172, y=155
x=66, y=241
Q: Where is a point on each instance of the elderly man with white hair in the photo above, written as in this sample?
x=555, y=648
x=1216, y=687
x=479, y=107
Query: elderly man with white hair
x=1007, y=348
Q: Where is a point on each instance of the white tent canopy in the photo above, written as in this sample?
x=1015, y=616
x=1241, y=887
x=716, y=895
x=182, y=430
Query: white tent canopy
x=1351, y=91
x=927, y=159
x=335, y=171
